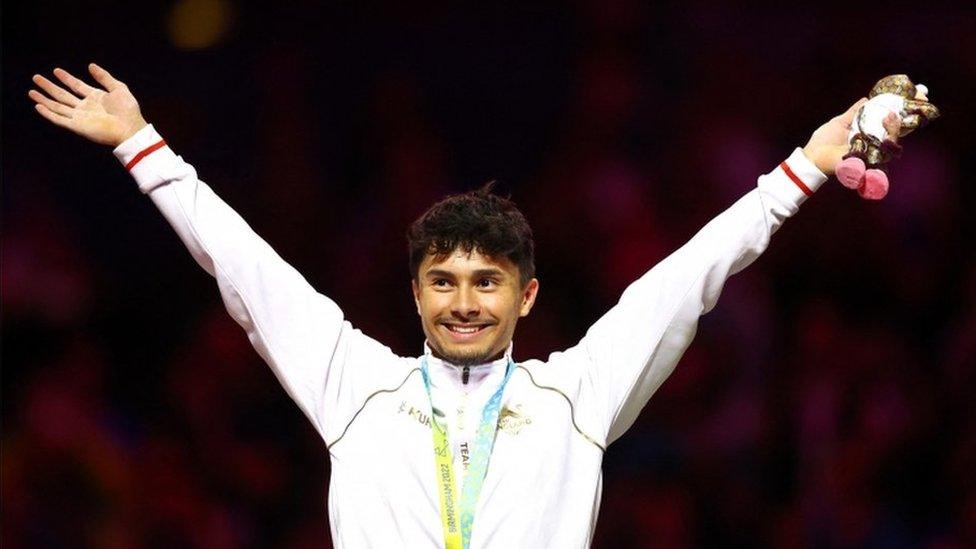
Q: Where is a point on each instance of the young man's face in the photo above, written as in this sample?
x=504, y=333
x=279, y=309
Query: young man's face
x=469, y=304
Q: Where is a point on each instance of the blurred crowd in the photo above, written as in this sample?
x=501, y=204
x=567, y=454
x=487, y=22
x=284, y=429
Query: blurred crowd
x=827, y=401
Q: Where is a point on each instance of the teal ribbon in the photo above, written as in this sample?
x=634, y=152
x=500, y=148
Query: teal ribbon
x=483, y=444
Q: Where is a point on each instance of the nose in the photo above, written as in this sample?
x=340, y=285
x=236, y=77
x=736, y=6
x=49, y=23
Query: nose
x=465, y=304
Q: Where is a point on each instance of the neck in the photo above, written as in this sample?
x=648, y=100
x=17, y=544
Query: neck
x=467, y=363
x=468, y=376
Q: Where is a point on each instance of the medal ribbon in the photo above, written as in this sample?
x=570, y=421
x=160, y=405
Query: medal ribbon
x=457, y=514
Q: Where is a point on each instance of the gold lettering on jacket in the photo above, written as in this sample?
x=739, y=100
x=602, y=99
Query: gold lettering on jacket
x=418, y=414
x=513, y=420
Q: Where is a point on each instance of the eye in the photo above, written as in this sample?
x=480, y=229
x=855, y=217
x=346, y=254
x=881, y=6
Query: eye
x=487, y=283
x=440, y=283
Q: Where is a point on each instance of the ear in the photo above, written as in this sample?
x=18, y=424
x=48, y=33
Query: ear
x=529, y=293
x=416, y=294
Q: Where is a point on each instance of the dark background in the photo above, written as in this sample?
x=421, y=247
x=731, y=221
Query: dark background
x=826, y=402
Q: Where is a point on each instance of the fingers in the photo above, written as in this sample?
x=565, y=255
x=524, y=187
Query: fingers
x=892, y=125
x=848, y=117
x=55, y=91
x=54, y=106
x=103, y=77
x=76, y=85
x=56, y=119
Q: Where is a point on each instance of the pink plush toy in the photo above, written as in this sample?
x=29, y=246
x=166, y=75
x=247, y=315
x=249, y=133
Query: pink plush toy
x=871, y=148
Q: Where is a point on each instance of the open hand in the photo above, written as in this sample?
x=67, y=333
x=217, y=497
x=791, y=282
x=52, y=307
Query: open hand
x=108, y=116
x=829, y=144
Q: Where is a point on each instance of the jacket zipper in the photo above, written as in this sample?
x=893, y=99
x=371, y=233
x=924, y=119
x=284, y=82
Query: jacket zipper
x=465, y=374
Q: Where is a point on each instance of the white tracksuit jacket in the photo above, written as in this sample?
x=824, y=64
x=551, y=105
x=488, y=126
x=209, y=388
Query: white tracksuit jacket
x=543, y=483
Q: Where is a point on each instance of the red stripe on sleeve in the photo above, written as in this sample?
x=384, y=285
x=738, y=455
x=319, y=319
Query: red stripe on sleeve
x=789, y=173
x=144, y=153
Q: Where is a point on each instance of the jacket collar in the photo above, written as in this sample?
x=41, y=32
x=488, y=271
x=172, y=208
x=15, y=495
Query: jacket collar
x=445, y=374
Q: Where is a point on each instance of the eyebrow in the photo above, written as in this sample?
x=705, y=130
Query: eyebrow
x=479, y=273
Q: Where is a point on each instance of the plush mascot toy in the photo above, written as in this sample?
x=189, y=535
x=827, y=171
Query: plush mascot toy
x=863, y=167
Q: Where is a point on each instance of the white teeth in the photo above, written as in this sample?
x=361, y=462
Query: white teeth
x=464, y=329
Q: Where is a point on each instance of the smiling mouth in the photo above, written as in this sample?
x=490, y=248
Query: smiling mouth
x=465, y=329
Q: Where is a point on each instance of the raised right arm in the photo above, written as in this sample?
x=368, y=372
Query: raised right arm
x=324, y=364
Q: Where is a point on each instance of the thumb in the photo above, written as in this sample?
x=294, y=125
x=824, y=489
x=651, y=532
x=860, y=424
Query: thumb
x=848, y=117
x=892, y=125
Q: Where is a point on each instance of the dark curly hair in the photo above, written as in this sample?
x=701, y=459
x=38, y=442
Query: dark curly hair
x=476, y=220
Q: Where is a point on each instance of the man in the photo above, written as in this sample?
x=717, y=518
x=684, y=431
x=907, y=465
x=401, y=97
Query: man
x=459, y=447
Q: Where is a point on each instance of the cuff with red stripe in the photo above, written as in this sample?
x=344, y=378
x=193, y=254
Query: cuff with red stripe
x=798, y=177
x=145, y=155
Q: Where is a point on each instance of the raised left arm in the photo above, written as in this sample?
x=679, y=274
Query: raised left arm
x=634, y=347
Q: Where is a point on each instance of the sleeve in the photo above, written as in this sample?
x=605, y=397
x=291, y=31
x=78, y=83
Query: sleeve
x=323, y=363
x=629, y=352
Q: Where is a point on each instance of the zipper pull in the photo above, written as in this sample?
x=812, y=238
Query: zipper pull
x=465, y=374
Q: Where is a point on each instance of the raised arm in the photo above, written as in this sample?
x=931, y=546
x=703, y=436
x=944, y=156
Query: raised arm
x=325, y=365
x=634, y=347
